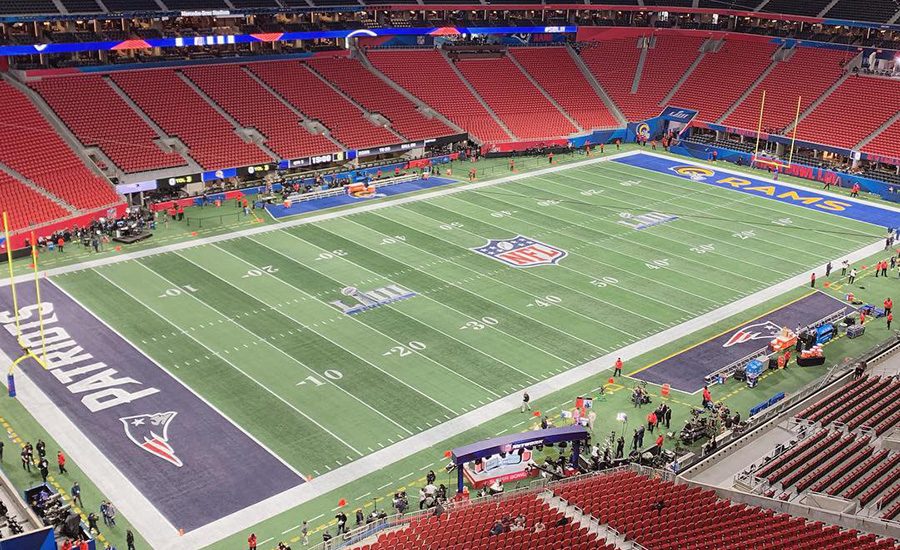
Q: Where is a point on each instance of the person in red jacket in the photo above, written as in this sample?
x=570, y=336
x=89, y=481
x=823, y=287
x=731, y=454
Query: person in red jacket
x=61, y=461
x=618, y=369
x=659, y=442
x=251, y=541
x=854, y=191
x=890, y=317
x=60, y=243
x=651, y=422
x=888, y=306
x=707, y=397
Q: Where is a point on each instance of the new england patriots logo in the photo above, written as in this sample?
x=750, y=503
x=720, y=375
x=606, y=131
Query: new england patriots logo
x=522, y=252
x=151, y=433
x=759, y=331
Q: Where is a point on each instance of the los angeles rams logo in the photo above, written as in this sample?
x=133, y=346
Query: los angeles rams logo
x=695, y=173
x=643, y=130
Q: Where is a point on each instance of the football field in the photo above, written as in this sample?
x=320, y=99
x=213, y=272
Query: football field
x=328, y=342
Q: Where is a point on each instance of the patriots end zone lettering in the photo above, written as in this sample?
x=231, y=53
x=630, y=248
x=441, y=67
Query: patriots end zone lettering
x=101, y=387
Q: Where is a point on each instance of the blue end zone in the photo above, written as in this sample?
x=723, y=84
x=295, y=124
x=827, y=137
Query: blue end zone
x=279, y=211
x=686, y=369
x=799, y=196
x=192, y=463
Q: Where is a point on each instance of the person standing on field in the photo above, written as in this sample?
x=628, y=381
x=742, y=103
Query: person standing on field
x=618, y=367
x=525, y=402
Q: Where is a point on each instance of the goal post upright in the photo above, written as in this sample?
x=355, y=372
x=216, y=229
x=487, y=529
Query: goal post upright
x=27, y=353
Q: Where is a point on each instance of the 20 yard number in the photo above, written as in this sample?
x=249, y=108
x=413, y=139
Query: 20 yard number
x=405, y=350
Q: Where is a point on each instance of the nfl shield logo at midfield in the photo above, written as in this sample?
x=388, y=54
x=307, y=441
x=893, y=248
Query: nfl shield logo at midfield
x=522, y=252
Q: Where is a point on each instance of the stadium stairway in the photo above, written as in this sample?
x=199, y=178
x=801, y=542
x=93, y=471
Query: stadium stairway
x=246, y=133
x=356, y=81
x=589, y=77
x=46, y=154
x=865, y=103
x=554, y=71
x=476, y=95
x=312, y=126
x=885, y=140
x=521, y=105
x=541, y=89
x=423, y=107
x=821, y=70
x=253, y=107
x=322, y=103
x=376, y=118
x=777, y=58
x=709, y=45
x=448, y=95
x=50, y=116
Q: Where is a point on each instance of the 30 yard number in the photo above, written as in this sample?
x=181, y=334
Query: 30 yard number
x=480, y=324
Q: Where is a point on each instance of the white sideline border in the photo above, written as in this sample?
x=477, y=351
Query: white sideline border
x=161, y=534
x=279, y=225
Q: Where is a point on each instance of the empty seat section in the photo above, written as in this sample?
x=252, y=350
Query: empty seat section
x=722, y=77
x=448, y=94
x=886, y=143
x=25, y=206
x=182, y=113
x=861, y=104
x=254, y=107
x=870, y=10
x=807, y=75
x=39, y=154
x=305, y=91
x=468, y=528
x=694, y=518
x=521, y=106
x=556, y=72
x=666, y=63
x=100, y=118
x=377, y=96
x=613, y=63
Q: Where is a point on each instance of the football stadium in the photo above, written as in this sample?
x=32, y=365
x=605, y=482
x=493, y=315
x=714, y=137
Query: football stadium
x=449, y=274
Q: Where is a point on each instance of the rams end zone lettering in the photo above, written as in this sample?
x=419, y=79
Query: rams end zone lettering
x=698, y=173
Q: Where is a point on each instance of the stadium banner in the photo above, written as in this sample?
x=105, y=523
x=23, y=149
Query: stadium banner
x=599, y=136
x=394, y=148
x=678, y=114
x=212, y=175
x=136, y=187
x=178, y=181
x=231, y=39
x=309, y=161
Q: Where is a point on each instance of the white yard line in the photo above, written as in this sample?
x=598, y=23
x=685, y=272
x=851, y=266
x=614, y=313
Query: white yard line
x=161, y=534
x=375, y=462
x=363, y=207
x=225, y=359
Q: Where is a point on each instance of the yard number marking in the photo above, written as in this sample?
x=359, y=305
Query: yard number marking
x=177, y=291
x=480, y=324
x=403, y=351
x=331, y=255
x=258, y=272
x=331, y=374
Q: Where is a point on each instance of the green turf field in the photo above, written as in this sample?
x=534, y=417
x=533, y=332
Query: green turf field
x=249, y=323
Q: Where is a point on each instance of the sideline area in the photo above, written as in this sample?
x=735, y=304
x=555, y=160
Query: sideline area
x=245, y=518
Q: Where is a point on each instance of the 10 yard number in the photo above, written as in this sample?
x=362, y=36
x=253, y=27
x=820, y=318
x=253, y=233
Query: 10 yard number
x=330, y=374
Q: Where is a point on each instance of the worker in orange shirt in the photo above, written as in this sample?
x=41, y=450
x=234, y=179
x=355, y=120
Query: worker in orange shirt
x=707, y=397
x=890, y=317
x=618, y=369
x=888, y=306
